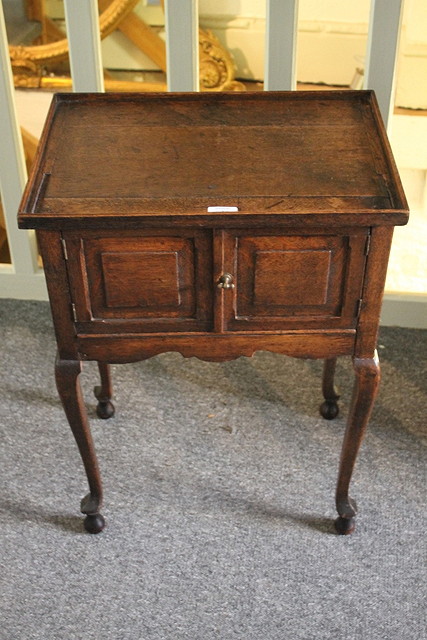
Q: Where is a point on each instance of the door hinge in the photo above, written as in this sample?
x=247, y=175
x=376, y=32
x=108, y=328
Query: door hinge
x=367, y=244
x=73, y=311
x=359, y=307
x=64, y=248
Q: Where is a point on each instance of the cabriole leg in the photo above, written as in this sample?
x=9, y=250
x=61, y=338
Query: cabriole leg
x=329, y=408
x=68, y=385
x=103, y=393
x=367, y=372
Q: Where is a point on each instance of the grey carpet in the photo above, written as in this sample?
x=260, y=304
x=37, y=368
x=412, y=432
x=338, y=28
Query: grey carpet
x=219, y=483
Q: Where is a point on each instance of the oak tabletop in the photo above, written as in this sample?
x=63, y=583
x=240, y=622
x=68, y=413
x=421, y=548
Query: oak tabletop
x=271, y=153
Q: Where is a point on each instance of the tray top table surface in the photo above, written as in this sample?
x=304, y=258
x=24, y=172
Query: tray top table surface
x=295, y=153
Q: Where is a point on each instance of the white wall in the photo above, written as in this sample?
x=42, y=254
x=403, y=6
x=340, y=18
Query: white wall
x=411, y=89
x=331, y=43
x=335, y=10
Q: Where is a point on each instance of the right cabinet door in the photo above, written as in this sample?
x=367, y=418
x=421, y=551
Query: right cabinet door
x=295, y=280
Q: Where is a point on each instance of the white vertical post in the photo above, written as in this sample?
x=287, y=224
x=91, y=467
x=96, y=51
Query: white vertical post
x=383, y=42
x=280, y=45
x=82, y=23
x=182, y=45
x=13, y=172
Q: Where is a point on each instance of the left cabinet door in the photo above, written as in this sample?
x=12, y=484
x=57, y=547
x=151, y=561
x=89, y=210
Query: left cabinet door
x=141, y=281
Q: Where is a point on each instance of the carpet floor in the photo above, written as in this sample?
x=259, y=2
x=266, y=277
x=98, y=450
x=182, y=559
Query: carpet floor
x=219, y=498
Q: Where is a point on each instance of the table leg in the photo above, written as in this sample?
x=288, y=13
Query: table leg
x=103, y=393
x=366, y=384
x=68, y=385
x=329, y=408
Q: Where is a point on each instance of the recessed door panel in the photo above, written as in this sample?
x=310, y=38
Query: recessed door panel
x=145, y=280
x=277, y=282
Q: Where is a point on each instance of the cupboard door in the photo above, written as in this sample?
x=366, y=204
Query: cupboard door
x=294, y=281
x=151, y=281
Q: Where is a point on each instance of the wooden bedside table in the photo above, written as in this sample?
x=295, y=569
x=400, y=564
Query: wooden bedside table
x=215, y=225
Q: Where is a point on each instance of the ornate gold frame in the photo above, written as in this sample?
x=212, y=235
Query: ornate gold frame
x=29, y=59
x=216, y=64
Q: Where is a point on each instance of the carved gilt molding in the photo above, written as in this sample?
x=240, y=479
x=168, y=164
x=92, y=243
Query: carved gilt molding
x=29, y=60
x=216, y=63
